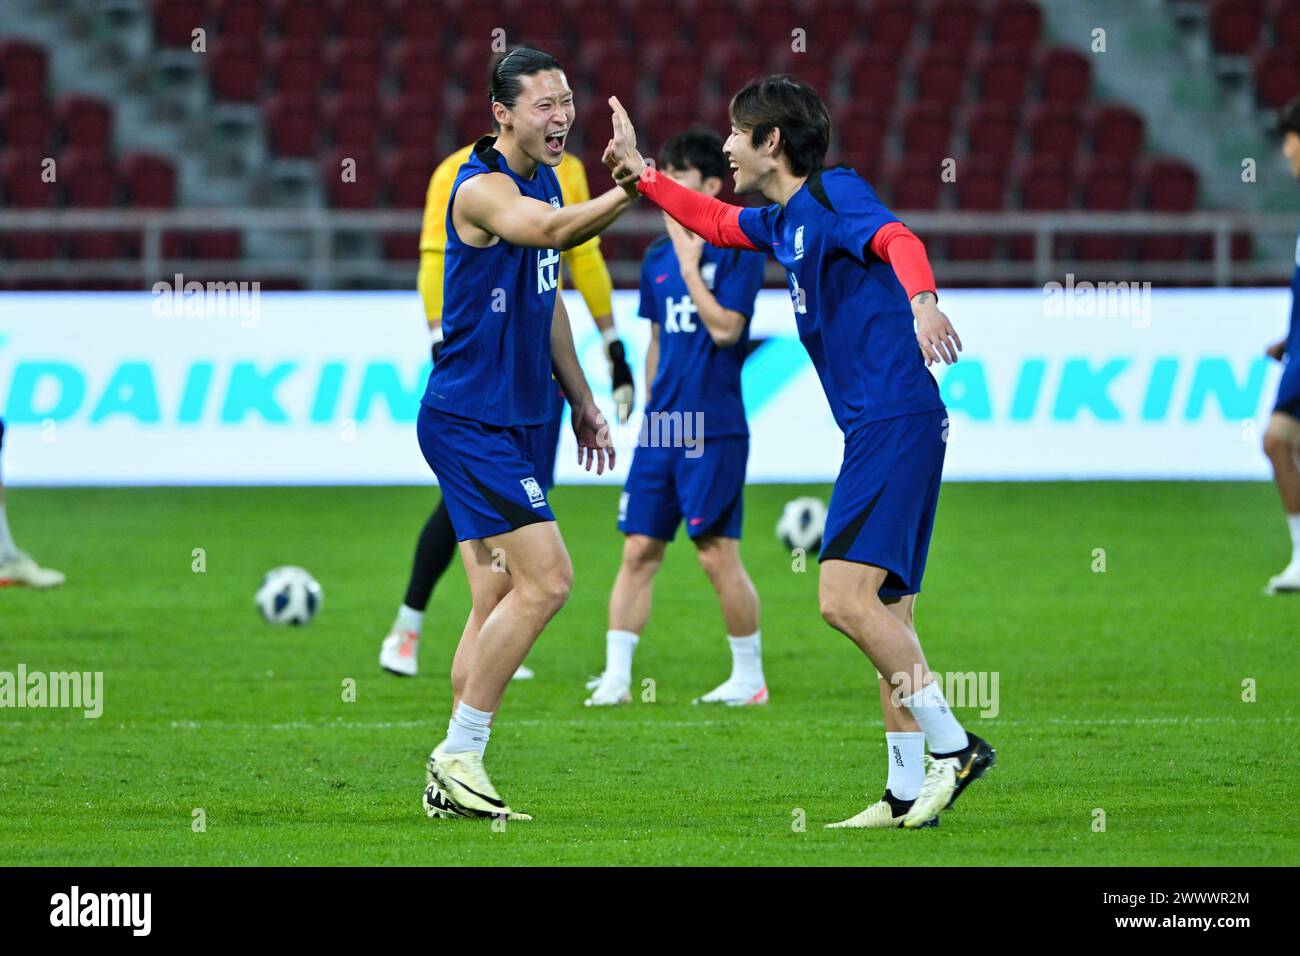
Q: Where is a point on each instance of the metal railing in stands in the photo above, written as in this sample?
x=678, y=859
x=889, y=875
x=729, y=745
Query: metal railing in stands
x=322, y=266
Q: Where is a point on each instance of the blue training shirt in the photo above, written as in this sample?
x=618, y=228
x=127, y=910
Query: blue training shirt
x=498, y=302
x=695, y=374
x=1293, y=336
x=853, y=316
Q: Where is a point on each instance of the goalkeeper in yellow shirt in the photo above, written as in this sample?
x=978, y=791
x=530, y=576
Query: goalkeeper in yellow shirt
x=437, y=542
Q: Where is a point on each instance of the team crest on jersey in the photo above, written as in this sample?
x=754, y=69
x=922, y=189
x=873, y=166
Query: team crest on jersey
x=622, y=507
x=798, y=243
x=534, y=491
x=707, y=272
x=555, y=201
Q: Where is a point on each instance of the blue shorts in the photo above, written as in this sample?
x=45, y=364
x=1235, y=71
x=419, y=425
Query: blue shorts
x=664, y=486
x=1288, y=390
x=883, y=504
x=489, y=474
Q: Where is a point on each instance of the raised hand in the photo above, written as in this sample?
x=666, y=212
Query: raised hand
x=592, y=432
x=621, y=155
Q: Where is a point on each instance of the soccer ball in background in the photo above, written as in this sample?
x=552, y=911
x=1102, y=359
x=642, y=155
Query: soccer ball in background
x=289, y=595
x=802, y=524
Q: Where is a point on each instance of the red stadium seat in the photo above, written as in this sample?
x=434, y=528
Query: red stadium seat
x=413, y=122
x=293, y=125
x=1167, y=185
x=1017, y=23
x=677, y=71
x=838, y=24
x=1105, y=185
x=418, y=20
x=22, y=180
x=28, y=246
x=953, y=23
x=1055, y=129
x=149, y=180
x=981, y=185
x=472, y=119
x=1044, y=183
x=353, y=122
x=1116, y=131
x=927, y=129
x=913, y=183
x=808, y=68
x=88, y=181
x=872, y=74
x=360, y=21
x=941, y=75
x=664, y=118
x=1277, y=76
x=991, y=131
x=860, y=128
x=1235, y=25
x=361, y=187
x=890, y=23
x=712, y=22
x=241, y=19
x=174, y=21
x=401, y=246
x=86, y=121
x=1003, y=74
x=219, y=244
x=25, y=121
x=22, y=67
x=653, y=23
x=735, y=66
x=475, y=24
x=302, y=19
x=1284, y=16
x=297, y=67
x=419, y=67
x=236, y=71
x=407, y=177
x=356, y=66
x=772, y=24
x=1064, y=76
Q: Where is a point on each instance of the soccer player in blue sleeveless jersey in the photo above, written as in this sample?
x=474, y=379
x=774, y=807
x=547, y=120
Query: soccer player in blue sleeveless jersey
x=1282, y=436
x=482, y=424
x=690, y=462
x=859, y=279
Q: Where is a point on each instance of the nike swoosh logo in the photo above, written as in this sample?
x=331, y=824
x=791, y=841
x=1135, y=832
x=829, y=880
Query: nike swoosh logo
x=495, y=801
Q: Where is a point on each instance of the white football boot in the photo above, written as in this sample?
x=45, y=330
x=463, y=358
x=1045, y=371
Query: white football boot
x=887, y=814
x=523, y=673
x=1288, y=580
x=21, y=571
x=465, y=785
x=398, y=653
x=735, y=692
x=608, y=691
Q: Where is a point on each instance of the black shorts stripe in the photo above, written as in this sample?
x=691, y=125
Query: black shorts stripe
x=514, y=514
x=839, y=546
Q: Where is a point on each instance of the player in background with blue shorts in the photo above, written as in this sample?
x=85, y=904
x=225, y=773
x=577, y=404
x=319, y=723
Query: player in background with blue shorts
x=1282, y=436
x=482, y=422
x=859, y=279
x=690, y=460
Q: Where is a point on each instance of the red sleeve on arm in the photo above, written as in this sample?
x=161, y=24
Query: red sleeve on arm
x=896, y=244
x=718, y=222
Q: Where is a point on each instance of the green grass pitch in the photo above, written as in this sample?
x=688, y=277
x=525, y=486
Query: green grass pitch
x=1119, y=691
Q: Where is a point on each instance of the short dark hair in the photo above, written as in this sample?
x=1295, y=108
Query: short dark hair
x=697, y=148
x=784, y=103
x=505, y=79
x=1288, y=120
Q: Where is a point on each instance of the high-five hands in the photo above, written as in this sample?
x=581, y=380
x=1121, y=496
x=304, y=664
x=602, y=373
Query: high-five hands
x=621, y=156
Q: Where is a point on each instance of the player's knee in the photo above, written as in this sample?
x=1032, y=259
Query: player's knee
x=1277, y=446
x=642, y=556
x=716, y=557
x=837, y=610
x=551, y=588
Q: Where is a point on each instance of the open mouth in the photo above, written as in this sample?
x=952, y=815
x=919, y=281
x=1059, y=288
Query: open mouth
x=555, y=141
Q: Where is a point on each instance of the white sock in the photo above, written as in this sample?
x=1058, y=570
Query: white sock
x=747, y=658
x=906, y=753
x=942, y=731
x=1293, y=522
x=409, y=619
x=619, y=648
x=7, y=547
x=469, y=730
